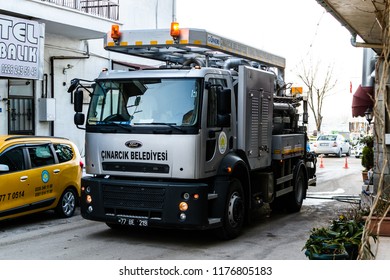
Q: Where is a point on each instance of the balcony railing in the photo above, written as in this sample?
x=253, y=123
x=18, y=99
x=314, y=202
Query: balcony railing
x=102, y=8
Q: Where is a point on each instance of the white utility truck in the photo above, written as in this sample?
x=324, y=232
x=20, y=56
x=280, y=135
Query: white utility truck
x=196, y=143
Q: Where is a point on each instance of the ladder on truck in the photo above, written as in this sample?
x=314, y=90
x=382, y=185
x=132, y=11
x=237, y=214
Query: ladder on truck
x=190, y=45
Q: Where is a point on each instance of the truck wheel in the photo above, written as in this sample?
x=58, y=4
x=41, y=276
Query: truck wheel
x=67, y=204
x=294, y=200
x=234, y=216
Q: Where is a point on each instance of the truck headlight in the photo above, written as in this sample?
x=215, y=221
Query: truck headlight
x=183, y=206
x=186, y=196
x=88, y=199
x=182, y=216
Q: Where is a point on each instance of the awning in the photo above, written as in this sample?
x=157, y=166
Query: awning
x=362, y=99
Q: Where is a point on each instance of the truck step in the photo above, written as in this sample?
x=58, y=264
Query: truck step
x=214, y=221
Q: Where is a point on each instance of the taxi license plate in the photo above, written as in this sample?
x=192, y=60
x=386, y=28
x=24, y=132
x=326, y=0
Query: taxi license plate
x=324, y=144
x=133, y=222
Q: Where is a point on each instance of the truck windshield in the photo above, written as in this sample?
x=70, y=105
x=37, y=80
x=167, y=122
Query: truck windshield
x=145, y=101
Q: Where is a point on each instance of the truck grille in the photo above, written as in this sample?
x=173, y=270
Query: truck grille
x=136, y=167
x=133, y=200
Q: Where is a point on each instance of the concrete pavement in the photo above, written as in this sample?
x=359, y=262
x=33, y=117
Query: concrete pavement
x=383, y=246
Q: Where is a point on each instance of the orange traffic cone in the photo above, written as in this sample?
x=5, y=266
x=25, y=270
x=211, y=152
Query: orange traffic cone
x=346, y=163
x=321, y=162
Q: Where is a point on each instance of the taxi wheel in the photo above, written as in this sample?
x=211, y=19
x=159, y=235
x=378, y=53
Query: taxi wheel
x=67, y=204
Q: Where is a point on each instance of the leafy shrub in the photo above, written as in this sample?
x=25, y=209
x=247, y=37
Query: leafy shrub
x=368, y=152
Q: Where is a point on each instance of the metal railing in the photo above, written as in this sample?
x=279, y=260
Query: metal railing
x=102, y=8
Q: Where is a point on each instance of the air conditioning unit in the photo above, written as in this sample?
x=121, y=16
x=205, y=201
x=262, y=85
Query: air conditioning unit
x=47, y=109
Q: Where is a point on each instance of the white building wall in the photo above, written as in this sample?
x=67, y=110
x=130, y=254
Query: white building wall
x=69, y=59
x=135, y=14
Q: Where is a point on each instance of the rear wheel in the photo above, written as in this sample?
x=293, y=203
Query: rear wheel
x=234, y=216
x=294, y=200
x=67, y=204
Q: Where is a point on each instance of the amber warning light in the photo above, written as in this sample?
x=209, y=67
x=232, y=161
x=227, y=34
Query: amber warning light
x=115, y=33
x=296, y=90
x=175, y=31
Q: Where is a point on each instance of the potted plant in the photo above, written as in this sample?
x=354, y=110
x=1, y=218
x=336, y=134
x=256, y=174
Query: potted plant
x=323, y=245
x=349, y=232
x=379, y=222
x=341, y=239
x=367, y=155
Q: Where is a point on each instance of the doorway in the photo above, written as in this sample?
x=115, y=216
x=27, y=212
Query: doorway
x=21, y=107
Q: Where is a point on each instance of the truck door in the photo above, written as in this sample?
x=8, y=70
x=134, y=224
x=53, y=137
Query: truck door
x=218, y=139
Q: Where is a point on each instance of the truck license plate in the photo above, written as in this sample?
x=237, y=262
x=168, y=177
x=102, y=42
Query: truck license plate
x=133, y=222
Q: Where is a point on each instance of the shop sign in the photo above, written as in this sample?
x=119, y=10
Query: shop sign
x=21, y=48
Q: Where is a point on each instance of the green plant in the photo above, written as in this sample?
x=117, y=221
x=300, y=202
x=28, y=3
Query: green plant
x=368, y=152
x=349, y=232
x=340, y=238
x=367, y=140
x=323, y=243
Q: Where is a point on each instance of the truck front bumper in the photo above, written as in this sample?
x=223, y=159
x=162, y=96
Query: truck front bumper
x=146, y=203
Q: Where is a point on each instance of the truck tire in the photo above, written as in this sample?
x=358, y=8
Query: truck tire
x=294, y=200
x=234, y=216
x=67, y=204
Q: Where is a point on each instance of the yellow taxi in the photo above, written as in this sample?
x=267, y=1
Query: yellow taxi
x=38, y=173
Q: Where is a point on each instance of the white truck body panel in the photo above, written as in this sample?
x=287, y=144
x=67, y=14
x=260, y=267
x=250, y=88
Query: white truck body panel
x=177, y=152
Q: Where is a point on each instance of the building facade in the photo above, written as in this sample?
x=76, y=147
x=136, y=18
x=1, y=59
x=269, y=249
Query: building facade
x=46, y=43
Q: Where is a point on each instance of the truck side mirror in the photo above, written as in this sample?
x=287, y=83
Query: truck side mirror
x=78, y=101
x=79, y=119
x=224, y=106
x=73, y=84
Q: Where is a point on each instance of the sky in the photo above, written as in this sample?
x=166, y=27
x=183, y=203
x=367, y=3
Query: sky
x=299, y=30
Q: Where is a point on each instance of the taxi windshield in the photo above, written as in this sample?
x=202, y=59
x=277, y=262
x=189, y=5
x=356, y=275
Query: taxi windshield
x=145, y=101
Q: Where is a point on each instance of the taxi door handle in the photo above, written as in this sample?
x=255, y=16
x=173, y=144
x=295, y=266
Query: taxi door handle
x=56, y=171
x=23, y=178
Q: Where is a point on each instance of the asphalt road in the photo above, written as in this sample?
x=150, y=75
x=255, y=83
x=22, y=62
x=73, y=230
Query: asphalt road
x=271, y=237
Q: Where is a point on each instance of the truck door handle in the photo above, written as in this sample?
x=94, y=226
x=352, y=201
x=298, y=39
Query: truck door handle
x=212, y=134
x=23, y=178
x=56, y=171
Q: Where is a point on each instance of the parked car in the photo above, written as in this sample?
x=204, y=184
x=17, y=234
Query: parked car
x=357, y=150
x=38, y=174
x=332, y=144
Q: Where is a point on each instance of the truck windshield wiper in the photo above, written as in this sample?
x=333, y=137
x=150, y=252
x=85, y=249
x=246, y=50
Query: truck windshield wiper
x=121, y=125
x=172, y=125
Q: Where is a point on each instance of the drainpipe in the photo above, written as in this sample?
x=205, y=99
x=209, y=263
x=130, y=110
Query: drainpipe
x=52, y=59
x=173, y=10
x=364, y=45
